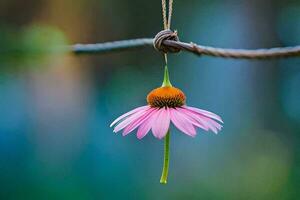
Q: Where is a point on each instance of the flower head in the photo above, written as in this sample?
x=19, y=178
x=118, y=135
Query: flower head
x=166, y=104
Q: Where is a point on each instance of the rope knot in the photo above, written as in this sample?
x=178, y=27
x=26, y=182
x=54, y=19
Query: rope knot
x=163, y=35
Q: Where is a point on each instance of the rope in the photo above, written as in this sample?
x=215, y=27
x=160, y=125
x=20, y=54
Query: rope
x=170, y=13
x=199, y=50
x=164, y=13
x=163, y=43
x=114, y=46
x=161, y=37
x=167, y=21
x=167, y=26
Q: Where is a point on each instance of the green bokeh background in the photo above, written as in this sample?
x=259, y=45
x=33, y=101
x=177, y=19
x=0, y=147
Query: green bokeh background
x=55, y=107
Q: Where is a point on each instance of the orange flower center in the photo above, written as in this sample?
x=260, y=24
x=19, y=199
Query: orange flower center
x=166, y=97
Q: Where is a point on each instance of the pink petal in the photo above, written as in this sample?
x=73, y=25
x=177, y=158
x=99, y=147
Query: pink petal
x=205, y=121
x=134, y=124
x=146, y=125
x=130, y=119
x=194, y=119
x=127, y=114
x=215, y=124
x=161, y=124
x=205, y=113
x=182, y=123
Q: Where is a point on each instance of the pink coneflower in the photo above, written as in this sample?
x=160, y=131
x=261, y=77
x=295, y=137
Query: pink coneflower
x=166, y=104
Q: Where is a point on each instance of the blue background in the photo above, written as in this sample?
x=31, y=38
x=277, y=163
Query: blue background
x=55, y=108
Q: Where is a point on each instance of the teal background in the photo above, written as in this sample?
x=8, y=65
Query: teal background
x=55, y=107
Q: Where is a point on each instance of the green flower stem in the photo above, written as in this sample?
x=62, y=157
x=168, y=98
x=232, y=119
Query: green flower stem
x=164, y=175
x=166, y=81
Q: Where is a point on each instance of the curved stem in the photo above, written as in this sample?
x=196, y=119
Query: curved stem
x=164, y=175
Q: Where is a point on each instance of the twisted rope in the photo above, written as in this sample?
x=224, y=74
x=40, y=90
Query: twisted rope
x=278, y=52
x=108, y=47
x=166, y=32
x=170, y=13
x=168, y=41
x=158, y=41
x=164, y=13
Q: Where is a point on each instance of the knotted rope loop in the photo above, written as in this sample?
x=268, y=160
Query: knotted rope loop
x=163, y=35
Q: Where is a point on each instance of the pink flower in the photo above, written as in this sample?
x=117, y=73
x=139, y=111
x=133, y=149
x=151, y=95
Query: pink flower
x=166, y=105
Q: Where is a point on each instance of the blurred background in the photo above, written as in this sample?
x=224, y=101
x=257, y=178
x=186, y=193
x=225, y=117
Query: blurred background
x=55, y=107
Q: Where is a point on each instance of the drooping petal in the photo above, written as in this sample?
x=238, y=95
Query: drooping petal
x=205, y=121
x=194, y=119
x=182, y=123
x=127, y=114
x=210, y=123
x=204, y=113
x=145, y=127
x=130, y=119
x=215, y=124
x=138, y=121
x=161, y=123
